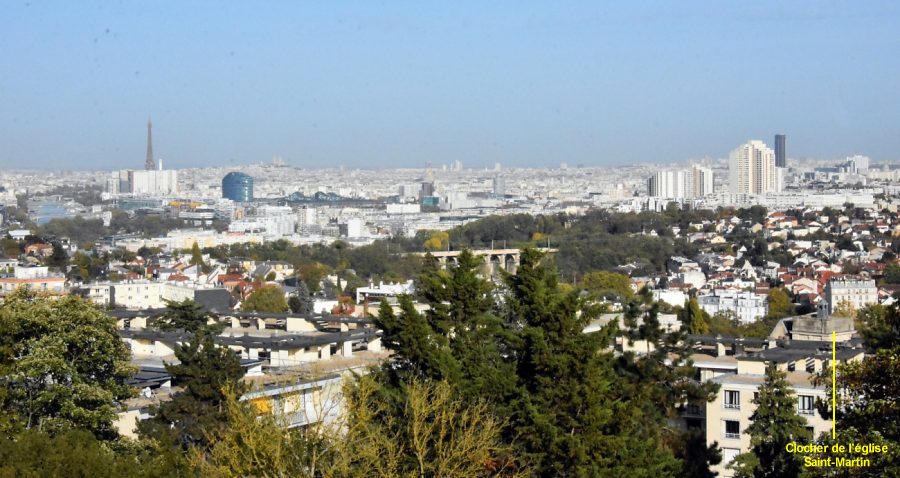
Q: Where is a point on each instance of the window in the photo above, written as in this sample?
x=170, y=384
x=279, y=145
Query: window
x=806, y=405
x=732, y=399
x=694, y=424
x=732, y=429
x=729, y=454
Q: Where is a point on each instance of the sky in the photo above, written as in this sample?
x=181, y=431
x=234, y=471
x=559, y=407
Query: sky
x=372, y=84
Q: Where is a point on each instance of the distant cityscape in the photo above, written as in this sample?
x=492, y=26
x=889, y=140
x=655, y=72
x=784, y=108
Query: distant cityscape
x=762, y=230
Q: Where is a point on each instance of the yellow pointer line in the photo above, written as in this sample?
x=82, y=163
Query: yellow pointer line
x=833, y=385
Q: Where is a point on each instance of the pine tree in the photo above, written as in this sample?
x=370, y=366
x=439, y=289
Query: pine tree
x=460, y=309
x=775, y=423
x=420, y=353
x=301, y=303
x=196, y=255
x=185, y=315
x=693, y=318
x=570, y=418
x=205, y=371
x=659, y=382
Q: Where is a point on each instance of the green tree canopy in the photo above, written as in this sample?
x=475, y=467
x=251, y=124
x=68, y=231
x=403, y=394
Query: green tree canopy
x=608, y=284
x=780, y=305
x=206, y=372
x=268, y=298
x=693, y=319
x=892, y=273
x=880, y=325
x=569, y=416
x=62, y=364
x=186, y=315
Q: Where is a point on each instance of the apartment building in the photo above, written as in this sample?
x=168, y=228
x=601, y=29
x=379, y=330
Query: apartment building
x=739, y=366
x=857, y=292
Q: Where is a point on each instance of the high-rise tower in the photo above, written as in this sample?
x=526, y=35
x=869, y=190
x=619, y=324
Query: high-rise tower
x=149, y=164
x=752, y=169
x=780, y=151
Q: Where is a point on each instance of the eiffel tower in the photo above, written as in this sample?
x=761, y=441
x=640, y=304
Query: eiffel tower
x=149, y=164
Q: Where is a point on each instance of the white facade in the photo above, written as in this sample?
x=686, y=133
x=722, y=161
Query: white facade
x=857, y=164
x=667, y=184
x=355, y=227
x=141, y=294
x=273, y=220
x=747, y=306
x=701, y=181
x=155, y=182
x=691, y=183
x=752, y=169
x=857, y=292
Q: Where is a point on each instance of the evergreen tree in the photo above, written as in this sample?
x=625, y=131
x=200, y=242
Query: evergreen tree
x=301, y=303
x=205, y=372
x=185, y=315
x=420, y=353
x=880, y=326
x=693, y=318
x=659, y=381
x=775, y=423
x=196, y=255
x=697, y=457
x=460, y=309
x=569, y=418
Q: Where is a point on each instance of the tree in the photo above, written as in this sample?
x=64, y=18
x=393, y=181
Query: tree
x=693, y=318
x=775, y=423
x=59, y=257
x=186, y=315
x=62, y=364
x=461, y=309
x=697, y=456
x=268, y=298
x=313, y=274
x=660, y=382
x=780, y=305
x=892, y=273
x=196, y=255
x=206, y=372
x=420, y=352
x=608, y=284
x=880, y=326
x=433, y=434
x=570, y=416
x=302, y=302
x=438, y=241
x=844, y=308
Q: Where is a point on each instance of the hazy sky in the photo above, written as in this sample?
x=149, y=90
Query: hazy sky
x=384, y=84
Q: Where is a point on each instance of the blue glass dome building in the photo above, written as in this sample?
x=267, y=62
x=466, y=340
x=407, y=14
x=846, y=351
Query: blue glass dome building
x=238, y=187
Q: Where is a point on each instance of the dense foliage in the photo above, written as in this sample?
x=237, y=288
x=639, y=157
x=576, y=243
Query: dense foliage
x=62, y=365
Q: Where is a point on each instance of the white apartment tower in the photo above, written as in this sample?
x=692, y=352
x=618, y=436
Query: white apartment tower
x=667, y=184
x=701, y=181
x=752, y=169
x=691, y=183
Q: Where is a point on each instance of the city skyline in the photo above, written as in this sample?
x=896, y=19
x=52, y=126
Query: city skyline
x=523, y=84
